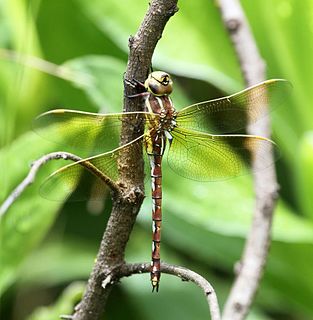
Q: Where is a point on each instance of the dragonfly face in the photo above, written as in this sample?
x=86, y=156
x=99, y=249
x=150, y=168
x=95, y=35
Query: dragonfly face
x=203, y=145
x=159, y=83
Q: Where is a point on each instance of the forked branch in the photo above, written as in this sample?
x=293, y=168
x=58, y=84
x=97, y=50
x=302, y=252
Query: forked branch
x=32, y=175
x=37, y=164
x=266, y=188
x=126, y=205
x=128, y=197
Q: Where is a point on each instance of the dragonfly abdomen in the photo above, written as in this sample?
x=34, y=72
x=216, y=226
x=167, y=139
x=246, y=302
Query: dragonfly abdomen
x=159, y=103
x=156, y=185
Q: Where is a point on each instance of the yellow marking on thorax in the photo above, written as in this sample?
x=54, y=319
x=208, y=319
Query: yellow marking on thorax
x=156, y=120
x=149, y=144
x=148, y=105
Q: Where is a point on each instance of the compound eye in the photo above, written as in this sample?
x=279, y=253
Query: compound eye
x=165, y=81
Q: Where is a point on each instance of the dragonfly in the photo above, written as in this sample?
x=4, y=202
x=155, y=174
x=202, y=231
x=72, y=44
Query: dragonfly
x=206, y=141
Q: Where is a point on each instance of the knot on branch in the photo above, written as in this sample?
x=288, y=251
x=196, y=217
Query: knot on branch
x=131, y=41
x=233, y=25
x=107, y=281
x=275, y=192
x=237, y=267
x=173, y=10
x=208, y=293
x=129, y=194
x=238, y=306
x=134, y=195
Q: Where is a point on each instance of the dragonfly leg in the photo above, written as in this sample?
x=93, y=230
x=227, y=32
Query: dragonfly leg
x=135, y=83
x=139, y=86
x=142, y=94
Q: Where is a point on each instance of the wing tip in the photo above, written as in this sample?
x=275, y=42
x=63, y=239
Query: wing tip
x=54, y=111
x=286, y=82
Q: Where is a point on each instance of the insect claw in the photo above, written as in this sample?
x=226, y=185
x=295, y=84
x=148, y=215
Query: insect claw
x=138, y=83
x=155, y=286
x=130, y=83
x=134, y=83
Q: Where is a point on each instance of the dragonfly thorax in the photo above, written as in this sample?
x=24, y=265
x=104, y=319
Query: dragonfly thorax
x=162, y=106
x=168, y=121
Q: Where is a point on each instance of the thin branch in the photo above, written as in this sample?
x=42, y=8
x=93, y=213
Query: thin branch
x=265, y=184
x=183, y=273
x=32, y=175
x=126, y=204
x=30, y=178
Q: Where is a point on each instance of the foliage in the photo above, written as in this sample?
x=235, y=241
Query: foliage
x=49, y=244
x=64, y=306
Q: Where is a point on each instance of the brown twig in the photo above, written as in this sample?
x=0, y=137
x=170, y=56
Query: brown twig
x=31, y=176
x=126, y=204
x=183, y=273
x=266, y=188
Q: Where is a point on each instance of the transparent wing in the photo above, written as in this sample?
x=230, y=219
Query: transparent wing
x=229, y=114
x=93, y=132
x=205, y=157
x=89, y=178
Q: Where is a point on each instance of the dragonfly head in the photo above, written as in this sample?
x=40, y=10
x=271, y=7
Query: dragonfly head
x=159, y=83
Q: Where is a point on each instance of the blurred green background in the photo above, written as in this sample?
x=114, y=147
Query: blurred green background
x=48, y=248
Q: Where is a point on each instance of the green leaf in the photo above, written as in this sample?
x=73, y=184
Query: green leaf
x=216, y=65
x=305, y=174
x=63, y=306
x=101, y=78
x=287, y=56
x=211, y=221
x=19, y=95
x=64, y=261
x=176, y=299
x=30, y=217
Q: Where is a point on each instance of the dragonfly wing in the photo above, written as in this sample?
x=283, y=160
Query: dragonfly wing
x=88, y=178
x=229, y=114
x=92, y=132
x=204, y=157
